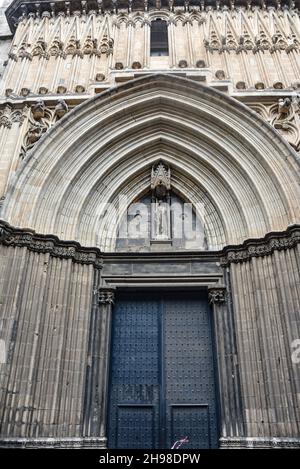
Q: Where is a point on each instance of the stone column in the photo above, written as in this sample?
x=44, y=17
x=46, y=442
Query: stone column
x=98, y=366
x=230, y=408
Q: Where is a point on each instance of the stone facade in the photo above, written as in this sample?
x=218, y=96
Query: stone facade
x=86, y=114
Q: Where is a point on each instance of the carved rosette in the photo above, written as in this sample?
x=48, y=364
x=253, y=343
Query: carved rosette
x=106, y=296
x=217, y=294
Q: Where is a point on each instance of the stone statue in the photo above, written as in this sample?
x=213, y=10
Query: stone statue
x=284, y=105
x=61, y=108
x=162, y=222
x=38, y=109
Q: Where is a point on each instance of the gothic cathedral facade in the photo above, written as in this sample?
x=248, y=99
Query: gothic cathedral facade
x=150, y=223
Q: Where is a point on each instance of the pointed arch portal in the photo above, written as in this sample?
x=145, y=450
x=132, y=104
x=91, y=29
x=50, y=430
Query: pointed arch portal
x=222, y=155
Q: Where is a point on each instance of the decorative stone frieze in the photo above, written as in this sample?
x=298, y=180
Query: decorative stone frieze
x=9, y=115
x=262, y=247
x=15, y=237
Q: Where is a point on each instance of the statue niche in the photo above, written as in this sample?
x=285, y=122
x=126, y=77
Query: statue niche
x=161, y=202
x=161, y=219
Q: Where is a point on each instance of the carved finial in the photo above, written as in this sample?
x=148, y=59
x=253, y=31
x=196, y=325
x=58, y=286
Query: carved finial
x=160, y=180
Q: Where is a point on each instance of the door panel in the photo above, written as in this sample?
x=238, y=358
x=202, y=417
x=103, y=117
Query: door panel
x=135, y=426
x=189, y=371
x=192, y=421
x=162, y=376
x=134, y=373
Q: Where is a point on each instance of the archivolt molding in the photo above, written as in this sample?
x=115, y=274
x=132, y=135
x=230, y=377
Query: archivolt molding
x=219, y=150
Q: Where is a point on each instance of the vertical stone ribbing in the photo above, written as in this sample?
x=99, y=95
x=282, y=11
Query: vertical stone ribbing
x=266, y=309
x=98, y=364
x=43, y=379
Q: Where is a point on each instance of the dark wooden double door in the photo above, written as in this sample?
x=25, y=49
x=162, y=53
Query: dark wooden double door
x=162, y=379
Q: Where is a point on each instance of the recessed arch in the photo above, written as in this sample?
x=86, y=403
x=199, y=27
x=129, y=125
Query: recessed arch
x=219, y=151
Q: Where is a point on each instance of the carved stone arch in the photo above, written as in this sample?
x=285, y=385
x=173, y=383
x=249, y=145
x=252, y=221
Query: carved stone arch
x=158, y=14
x=219, y=149
x=136, y=187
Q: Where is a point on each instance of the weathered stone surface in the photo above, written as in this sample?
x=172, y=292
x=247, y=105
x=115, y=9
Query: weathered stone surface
x=222, y=112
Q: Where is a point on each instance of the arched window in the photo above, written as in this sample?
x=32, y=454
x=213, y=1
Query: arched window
x=159, y=38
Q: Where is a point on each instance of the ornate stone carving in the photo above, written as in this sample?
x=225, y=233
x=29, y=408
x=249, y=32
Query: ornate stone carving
x=10, y=236
x=5, y=117
x=38, y=109
x=38, y=125
x=106, y=296
x=99, y=77
x=56, y=49
x=79, y=88
x=119, y=66
x=136, y=65
x=61, y=108
x=40, y=49
x=284, y=116
x=263, y=247
x=73, y=47
x=160, y=179
x=41, y=118
x=220, y=74
x=217, y=294
x=182, y=64
x=8, y=116
x=106, y=45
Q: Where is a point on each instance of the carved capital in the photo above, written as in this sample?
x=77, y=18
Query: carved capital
x=217, y=294
x=106, y=296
